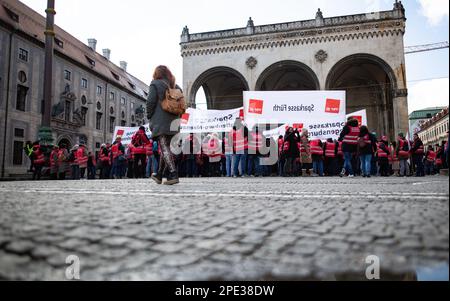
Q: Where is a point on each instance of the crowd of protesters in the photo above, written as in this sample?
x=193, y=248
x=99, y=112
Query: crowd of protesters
x=242, y=152
x=246, y=153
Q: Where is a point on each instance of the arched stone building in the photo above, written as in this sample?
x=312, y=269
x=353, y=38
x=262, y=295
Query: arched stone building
x=362, y=54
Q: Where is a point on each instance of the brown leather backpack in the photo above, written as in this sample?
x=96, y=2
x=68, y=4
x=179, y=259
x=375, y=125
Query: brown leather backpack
x=174, y=102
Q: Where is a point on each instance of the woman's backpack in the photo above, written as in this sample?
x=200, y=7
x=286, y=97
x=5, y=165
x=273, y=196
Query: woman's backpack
x=174, y=102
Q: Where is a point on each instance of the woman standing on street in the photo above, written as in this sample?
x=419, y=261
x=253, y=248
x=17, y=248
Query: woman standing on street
x=164, y=125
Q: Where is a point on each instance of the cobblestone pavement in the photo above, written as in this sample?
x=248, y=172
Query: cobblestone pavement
x=223, y=229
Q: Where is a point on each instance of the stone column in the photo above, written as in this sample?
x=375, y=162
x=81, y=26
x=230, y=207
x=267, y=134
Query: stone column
x=400, y=104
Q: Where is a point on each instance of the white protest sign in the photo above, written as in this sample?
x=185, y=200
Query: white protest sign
x=126, y=133
x=208, y=121
x=322, y=113
x=361, y=116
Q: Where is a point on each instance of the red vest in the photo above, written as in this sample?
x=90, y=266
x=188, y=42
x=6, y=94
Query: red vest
x=420, y=150
x=81, y=157
x=431, y=156
x=40, y=158
x=228, y=146
x=330, y=150
x=402, y=154
x=214, y=148
x=352, y=137
x=380, y=152
x=315, y=148
x=255, y=142
x=115, y=151
x=138, y=150
x=103, y=157
x=54, y=155
x=240, y=141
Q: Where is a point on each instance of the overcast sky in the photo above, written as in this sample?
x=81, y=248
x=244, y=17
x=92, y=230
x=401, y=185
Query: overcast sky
x=147, y=33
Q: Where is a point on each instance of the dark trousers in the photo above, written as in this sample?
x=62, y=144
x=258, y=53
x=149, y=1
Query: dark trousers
x=289, y=167
x=418, y=163
x=82, y=172
x=75, y=172
x=384, y=167
x=37, y=172
x=139, y=166
x=330, y=166
x=91, y=172
x=191, y=170
x=62, y=176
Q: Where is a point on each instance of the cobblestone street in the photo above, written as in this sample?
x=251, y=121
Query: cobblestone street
x=224, y=229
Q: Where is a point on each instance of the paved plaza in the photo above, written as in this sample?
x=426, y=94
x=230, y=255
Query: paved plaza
x=224, y=229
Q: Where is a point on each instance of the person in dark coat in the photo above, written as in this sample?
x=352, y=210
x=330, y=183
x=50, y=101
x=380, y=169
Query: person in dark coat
x=164, y=125
x=291, y=151
x=417, y=151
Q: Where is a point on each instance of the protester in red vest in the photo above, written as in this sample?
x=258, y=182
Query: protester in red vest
x=54, y=163
x=82, y=156
x=240, y=144
x=349, y=138
x=383, y=155
x=139, y=142
x=430, y=158
x=281, y=158
x=403, y=154
x=317, y=153
x=39, y=161
x=105, y=162
x=74, y=163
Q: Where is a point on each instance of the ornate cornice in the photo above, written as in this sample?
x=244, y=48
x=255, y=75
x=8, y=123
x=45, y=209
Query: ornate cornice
x=290, y=38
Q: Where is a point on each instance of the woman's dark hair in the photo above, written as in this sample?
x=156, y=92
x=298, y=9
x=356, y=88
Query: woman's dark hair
x=364, y=130
x=352, y=122
x=162, y=72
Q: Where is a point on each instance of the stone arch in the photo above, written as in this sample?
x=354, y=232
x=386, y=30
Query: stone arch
x=66, y=140
x=370, y=84
x=223, y=88
x=287, y=76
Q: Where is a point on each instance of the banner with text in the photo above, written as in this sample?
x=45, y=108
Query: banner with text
x=126, y=133
x=208, y=121
x=323, y=113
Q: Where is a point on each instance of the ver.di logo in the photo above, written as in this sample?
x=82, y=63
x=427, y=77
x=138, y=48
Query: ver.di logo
x=333, y=106
x=256, y=106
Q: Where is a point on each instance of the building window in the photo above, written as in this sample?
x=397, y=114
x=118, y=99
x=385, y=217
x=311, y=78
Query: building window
x=83, y=100
x=23, y=54
x=19, y=133
x=112, y=124
x=112, y=96
x=84, y=83
x=67, y=110
x=91, y=61
x=67, y=75
x=21, y=98
x=99, y=105
x=115, y=76
x=98, y=121
x=123, y=101
x=83, y=116
x=22, y=77
x=99, y=90
x=18, y=153
x=123, y=123
x=111, y=111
